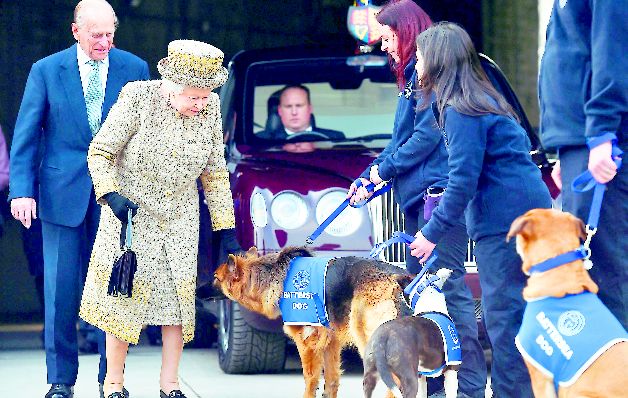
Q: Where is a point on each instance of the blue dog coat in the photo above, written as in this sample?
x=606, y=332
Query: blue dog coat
x=451, y=342
x=562, y=337
x=303, y=299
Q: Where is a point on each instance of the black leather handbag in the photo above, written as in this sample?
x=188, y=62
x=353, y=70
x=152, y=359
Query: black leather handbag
x=121, y=280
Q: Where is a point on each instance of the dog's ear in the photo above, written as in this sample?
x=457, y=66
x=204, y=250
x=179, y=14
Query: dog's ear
x=232, y=266
x=288, y=253
x=520, y=226
x=252, y=252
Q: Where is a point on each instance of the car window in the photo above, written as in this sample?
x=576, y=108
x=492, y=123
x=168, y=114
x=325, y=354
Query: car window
x=349, y=102
x=365, y=111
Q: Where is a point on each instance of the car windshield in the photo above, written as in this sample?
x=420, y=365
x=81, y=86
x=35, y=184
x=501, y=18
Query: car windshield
x=352, y=99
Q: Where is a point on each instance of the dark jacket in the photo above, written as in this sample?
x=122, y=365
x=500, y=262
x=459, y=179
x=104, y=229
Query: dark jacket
x=415, y=158
x=491, y=172
x=583, y=82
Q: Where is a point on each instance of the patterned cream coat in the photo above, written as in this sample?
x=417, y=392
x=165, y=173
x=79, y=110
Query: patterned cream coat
x=153, y=156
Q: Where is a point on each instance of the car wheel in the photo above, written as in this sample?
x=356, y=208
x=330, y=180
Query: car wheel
x=244, y=349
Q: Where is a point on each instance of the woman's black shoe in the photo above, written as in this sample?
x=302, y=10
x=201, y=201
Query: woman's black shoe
x=117, y=394
x=173, y=394
x=101, y=390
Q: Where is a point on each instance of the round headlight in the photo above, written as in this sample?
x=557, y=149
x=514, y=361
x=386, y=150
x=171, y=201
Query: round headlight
x=259, y=212
x=289, y=210
x=346, y=223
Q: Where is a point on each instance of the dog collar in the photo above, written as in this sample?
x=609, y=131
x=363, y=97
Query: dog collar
x=580, y=253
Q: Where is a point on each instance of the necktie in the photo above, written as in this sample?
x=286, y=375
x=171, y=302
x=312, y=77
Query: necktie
x=94, y=97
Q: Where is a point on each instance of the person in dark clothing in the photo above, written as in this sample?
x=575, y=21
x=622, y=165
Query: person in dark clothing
x=415, y=159
x=583, y=94
x=492, y=180
x=295, y=112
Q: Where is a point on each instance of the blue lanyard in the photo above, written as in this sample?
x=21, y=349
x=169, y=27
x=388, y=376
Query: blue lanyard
x=370, y=188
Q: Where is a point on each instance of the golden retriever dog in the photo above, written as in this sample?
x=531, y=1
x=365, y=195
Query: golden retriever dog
x=543, y=234
x=360, y=295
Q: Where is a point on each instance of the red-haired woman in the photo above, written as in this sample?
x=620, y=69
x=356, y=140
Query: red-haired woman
x=416, y=160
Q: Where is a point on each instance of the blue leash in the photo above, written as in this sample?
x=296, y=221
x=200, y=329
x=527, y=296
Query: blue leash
x=397, y=237
x=583, y=183
x=401, y=237
x=370, y=188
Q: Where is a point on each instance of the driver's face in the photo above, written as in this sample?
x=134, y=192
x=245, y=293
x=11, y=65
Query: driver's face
x=294, y=110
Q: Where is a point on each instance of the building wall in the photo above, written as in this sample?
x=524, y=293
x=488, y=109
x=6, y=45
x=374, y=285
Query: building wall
x=511, y=37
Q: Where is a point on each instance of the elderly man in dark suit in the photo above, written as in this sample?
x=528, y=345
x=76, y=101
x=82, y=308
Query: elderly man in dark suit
x=295, y=111
x=67, y=97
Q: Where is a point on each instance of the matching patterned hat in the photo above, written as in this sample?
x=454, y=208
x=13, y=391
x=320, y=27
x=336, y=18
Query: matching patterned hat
x=193, y=63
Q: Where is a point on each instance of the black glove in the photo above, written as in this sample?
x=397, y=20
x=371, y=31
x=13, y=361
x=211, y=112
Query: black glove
x=229, y=241
x=120, y=206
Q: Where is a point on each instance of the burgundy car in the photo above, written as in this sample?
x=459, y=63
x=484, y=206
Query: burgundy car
x=283, y=189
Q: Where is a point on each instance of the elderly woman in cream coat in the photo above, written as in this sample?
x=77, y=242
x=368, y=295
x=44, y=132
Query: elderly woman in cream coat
x=159, y=137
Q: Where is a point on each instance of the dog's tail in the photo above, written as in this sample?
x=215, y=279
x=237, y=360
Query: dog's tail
x=384, y=370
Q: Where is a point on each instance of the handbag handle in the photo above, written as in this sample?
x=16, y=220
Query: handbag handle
x=129, y=231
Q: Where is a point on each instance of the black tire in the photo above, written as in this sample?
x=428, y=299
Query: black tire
x=244, y=349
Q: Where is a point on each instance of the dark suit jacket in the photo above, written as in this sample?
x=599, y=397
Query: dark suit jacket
x=53, y=111
x=280, y=134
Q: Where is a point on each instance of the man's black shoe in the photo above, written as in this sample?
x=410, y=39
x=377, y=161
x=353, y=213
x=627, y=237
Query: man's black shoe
x=101, y=389
x=209, y=292
x=60, y=391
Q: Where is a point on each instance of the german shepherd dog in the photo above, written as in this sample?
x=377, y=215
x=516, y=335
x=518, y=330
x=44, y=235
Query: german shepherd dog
x=361, y=294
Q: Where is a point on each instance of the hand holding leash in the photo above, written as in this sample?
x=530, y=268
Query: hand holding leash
x=591, y=179
x=358, y=184
x=357, y=192
x=421, y=247
x=601, y=164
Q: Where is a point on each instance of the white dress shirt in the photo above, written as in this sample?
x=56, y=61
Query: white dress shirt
x=288, y=132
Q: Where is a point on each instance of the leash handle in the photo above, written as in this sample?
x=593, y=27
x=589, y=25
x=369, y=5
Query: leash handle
x=369, y=187
x=585, y=182
x=402, y=237
x=397, y=237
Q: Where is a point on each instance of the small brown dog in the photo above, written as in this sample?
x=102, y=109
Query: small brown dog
x=360, y=295
x=401, y=347
x=544, y=234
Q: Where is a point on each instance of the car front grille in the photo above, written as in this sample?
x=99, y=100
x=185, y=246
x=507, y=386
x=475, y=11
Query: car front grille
x=387, y=218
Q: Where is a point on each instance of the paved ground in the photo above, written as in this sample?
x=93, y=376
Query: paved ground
x=22, y=369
